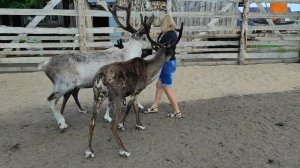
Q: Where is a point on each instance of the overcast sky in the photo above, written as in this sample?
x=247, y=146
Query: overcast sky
x=294, y=7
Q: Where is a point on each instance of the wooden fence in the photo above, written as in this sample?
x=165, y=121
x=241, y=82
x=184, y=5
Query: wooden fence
x=212, y=35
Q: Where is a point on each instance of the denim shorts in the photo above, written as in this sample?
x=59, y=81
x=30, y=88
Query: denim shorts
x=167, y=73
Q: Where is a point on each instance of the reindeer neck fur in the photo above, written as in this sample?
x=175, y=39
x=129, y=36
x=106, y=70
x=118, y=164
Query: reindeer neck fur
x=155, y=64
x=133, y=48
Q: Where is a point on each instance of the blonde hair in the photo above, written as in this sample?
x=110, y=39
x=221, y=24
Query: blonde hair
x=168, y=24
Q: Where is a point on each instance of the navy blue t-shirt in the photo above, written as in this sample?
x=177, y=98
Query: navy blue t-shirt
x=168, y=38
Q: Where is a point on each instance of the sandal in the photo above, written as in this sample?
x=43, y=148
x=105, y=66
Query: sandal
x=175, y=115
x=151, y=110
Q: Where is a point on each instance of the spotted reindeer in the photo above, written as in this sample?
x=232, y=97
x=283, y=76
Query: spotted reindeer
x=121, y=79
x=70, y=73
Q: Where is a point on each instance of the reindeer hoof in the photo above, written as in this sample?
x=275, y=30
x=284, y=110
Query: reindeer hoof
x=124, y=153
x=140, y=127
x=62, y=126
x=82, y=111
x=121, y=127
x=141, y=107
x=89, y=154
x=107, y=119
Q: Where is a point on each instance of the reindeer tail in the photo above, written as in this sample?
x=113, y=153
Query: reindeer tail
x=41, y=66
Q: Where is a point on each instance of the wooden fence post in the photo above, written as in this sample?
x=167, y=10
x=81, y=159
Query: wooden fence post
x=82, y=25
x=169, y=7
x=243, y=38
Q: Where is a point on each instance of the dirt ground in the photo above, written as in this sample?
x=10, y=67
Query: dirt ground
x=235, y=117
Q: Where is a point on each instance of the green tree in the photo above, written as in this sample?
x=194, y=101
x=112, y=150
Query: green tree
x=23, y=3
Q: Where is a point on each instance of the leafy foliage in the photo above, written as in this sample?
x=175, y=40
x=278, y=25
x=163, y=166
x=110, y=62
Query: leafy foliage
x=23, y=3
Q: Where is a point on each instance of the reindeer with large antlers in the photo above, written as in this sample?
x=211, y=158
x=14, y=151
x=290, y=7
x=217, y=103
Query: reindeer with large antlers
x=122, y=79
x=69, y=73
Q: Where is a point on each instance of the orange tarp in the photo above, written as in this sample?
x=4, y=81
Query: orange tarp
x=278, y=8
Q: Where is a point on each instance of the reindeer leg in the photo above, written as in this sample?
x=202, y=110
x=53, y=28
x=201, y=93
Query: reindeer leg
x=122, y=123
x=66, y=97
x=107, y=118
x=52, y=100
x=138, y=125
x=97, y=105
x=75, y=96
x=114, y=127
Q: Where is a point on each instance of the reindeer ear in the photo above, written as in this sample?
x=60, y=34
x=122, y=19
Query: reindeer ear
x=141, y=16
x=119, y=44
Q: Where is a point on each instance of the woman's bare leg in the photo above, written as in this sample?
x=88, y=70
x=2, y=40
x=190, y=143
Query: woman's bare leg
x=158, y=94
x=172, y=98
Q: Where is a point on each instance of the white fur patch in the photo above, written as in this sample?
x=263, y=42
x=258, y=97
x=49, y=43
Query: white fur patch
x=121, y=127
x=124, y=153
x=87, y=72
x=133, y=49
x=89, y=154
x=59, y=118
x=140, y=127
x=107, y=118
x=141, y=107
x=100, y=84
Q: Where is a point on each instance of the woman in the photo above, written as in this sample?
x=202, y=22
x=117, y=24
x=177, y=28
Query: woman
x=164, y=83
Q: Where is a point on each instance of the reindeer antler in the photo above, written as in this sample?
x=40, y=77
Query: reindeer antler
x=179, y=36
x=146, y=21
x=113, y=10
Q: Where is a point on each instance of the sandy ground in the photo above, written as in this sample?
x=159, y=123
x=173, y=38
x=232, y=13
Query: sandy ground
x=235, y=116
